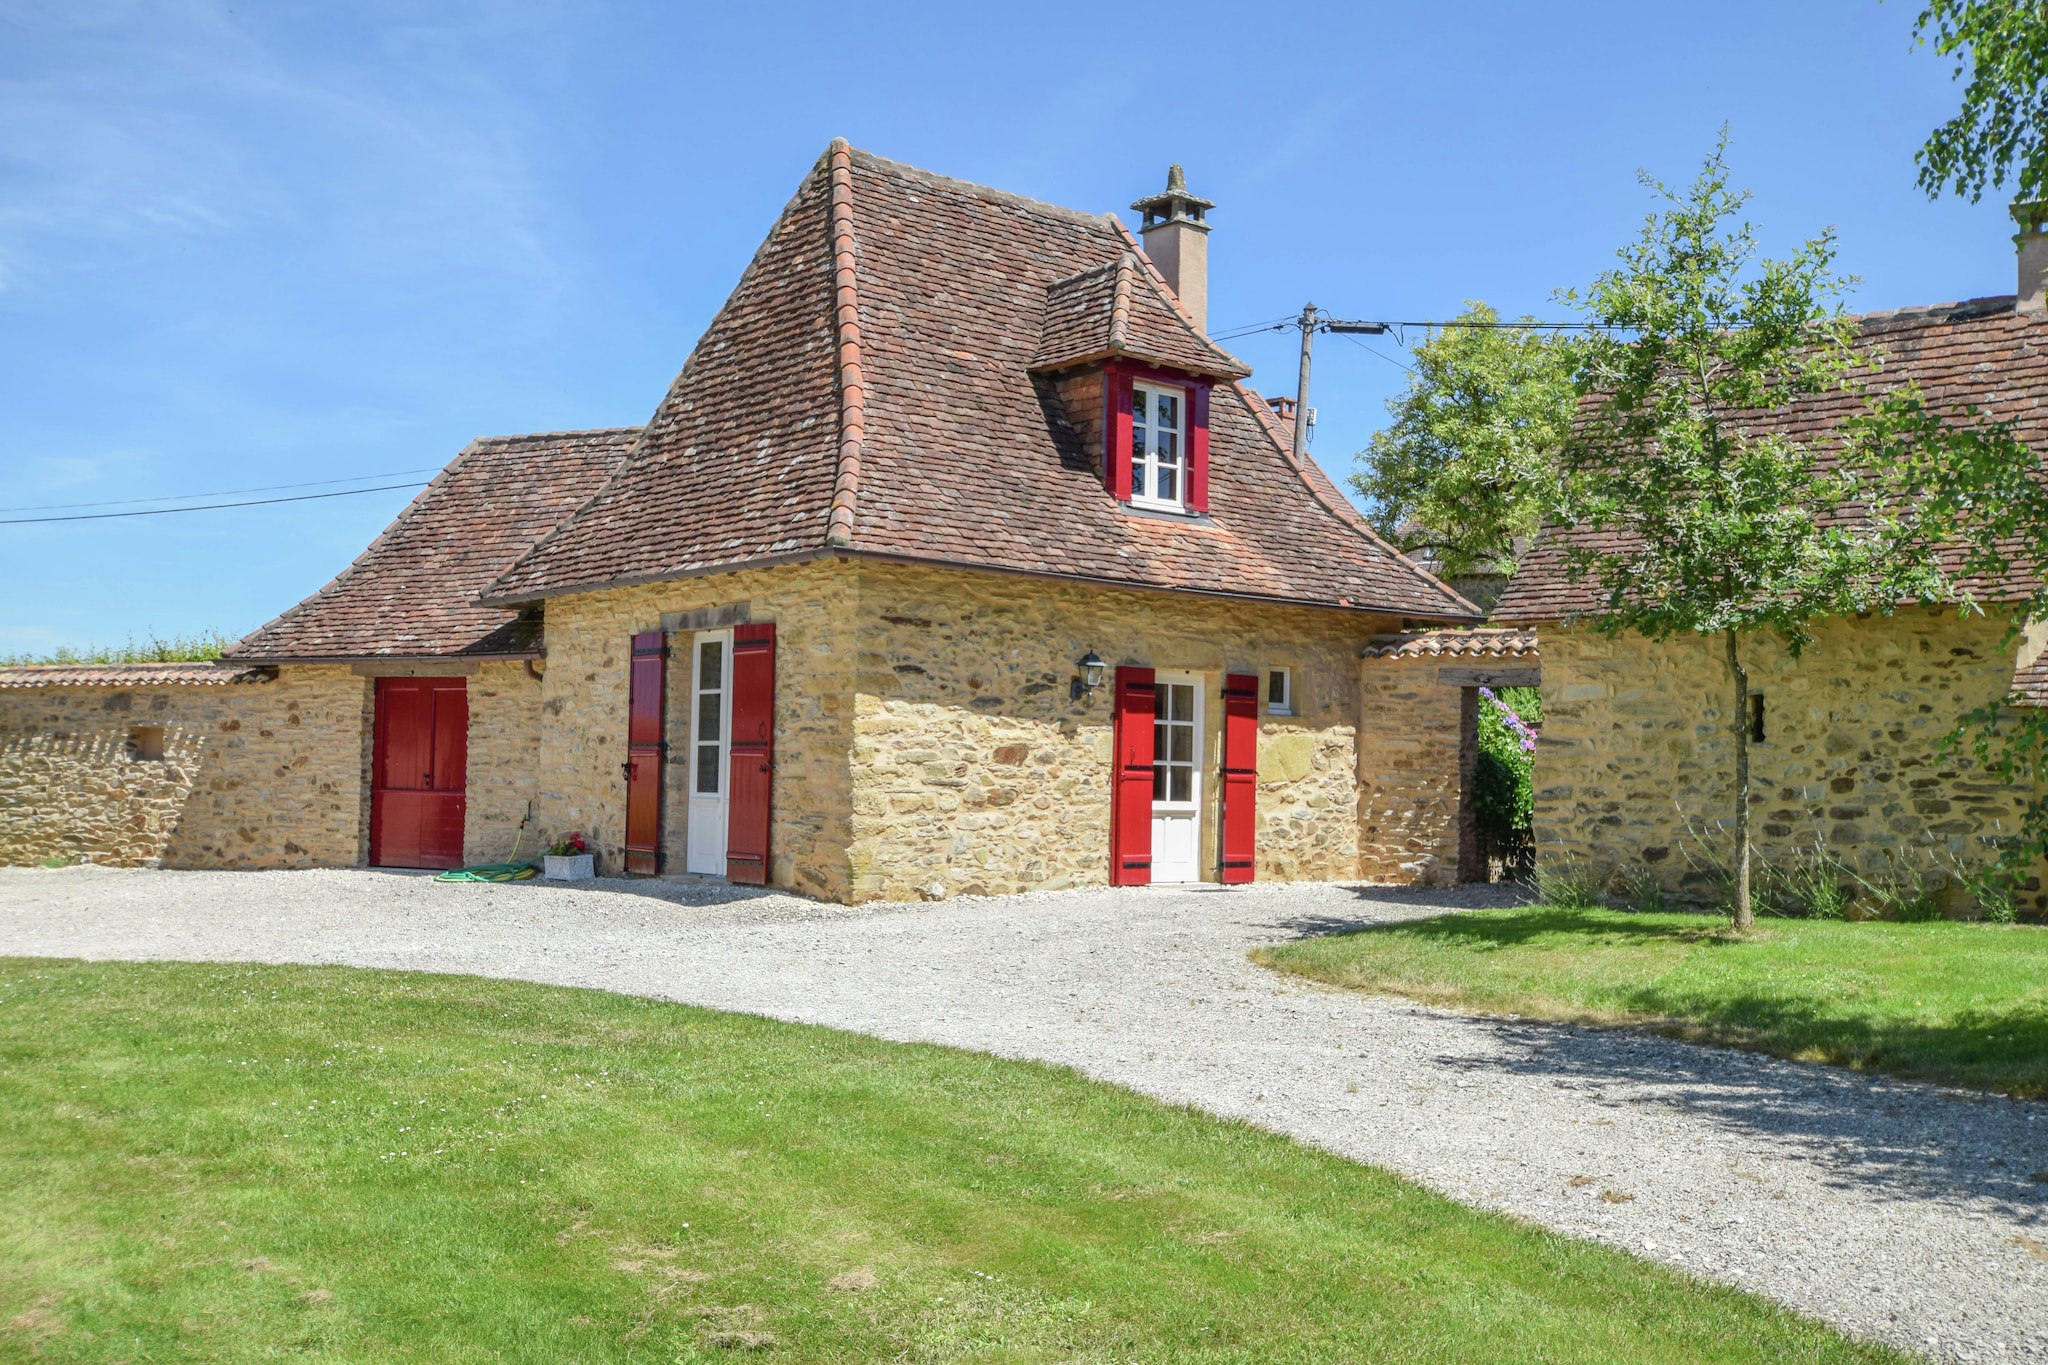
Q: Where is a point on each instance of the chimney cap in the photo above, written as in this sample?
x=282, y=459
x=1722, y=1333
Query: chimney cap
x=1174, y=204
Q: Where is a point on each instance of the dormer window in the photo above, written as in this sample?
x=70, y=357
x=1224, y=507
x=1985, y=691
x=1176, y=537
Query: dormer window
x=1155, y=451
x=1158, y=446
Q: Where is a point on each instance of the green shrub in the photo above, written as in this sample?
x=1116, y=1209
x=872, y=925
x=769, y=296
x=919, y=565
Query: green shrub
x=202, y=647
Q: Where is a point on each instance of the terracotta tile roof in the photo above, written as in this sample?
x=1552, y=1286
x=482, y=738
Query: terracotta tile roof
x=412, y=594
x=130, y=675
x=1454, y=644
x=2030, y=683
x=868, y=388
x=1124, y=310
x=1979, y=353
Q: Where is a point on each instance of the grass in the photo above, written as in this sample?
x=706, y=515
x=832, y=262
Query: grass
x=1966, y=1004
x=242, y=1163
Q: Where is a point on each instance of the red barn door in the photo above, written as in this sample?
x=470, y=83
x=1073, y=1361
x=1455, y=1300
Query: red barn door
x=1130, y=810
x=1240, y=776
x=646, y=711
x=419, y=775
x=752, y=762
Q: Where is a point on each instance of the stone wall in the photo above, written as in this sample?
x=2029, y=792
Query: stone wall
x=1408, y=761
x=974, y=769
x=1634, y=769
x=504, y=769
x=584, y=696
x=264, y=774
x=927, y=740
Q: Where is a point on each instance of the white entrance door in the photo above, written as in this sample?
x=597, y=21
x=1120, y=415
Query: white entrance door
x=1177, y=779
x=710, y=747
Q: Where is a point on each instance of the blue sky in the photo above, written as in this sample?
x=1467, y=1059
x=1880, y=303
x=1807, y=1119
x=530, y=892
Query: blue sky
x=260, y=243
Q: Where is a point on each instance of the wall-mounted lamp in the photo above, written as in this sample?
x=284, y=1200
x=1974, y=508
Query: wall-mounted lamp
x=1091, y=667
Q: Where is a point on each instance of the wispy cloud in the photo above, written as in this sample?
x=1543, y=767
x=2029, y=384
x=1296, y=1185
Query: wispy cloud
x=125, y=128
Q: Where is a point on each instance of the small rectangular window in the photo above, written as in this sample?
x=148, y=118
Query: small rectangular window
x=1756, y=718
x=146, y=743
x=1279, y=692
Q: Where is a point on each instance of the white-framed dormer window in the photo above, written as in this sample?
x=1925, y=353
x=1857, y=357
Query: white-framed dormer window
x=1279, y=692
x=1159, y=462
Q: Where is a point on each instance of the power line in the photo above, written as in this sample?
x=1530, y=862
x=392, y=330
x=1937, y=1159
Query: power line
x=217, y=493
x=210, y=507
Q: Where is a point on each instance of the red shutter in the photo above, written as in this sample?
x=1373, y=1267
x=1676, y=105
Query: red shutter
x=645, y=748
x=1240, y=776
x=753, y=753
x=1116, y=431
x=1198, y=450
x=1130, y=811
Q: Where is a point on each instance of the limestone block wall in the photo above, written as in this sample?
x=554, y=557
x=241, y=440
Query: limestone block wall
x=583, y=715
x=267, y=774
x=504, y=768
x=975, y=771
x=1634, y=769
x=1409, y=779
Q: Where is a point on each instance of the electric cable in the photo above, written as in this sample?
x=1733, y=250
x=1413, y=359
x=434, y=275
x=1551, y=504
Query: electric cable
x=211, y=506
x=217, y=492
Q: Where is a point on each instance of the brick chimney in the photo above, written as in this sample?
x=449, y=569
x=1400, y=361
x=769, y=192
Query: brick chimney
x=2032, y=241
x=1177, y=240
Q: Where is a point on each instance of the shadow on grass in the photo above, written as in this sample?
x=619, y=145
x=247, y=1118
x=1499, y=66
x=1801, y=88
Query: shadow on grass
x=1853, y=1116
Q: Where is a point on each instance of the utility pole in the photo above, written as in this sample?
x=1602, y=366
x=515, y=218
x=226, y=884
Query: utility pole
x=1310, y=323
x=1308, y=336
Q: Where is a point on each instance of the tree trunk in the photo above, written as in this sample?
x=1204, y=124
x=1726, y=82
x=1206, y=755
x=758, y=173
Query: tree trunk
x=1744, y=917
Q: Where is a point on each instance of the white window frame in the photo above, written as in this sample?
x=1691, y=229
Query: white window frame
x=1144, y=468
x=1284, y=706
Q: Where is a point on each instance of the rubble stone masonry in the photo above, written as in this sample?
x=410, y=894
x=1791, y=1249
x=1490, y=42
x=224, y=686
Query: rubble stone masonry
x=1634, y=771
x=1408, y=726
x=260, y=774
x=975, y=770
x=928, y=742
x=504, y=738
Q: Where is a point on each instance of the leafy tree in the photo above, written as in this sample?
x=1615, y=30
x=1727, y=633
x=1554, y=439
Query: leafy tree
x=1689, y=514
x=1998, y=135
x=1469, y=461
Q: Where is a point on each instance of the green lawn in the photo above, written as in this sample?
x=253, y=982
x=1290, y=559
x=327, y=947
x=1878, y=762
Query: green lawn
x=244, y=1163
x=1962, y=1003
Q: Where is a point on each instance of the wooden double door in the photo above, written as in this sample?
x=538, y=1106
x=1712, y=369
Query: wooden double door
x=419, y=772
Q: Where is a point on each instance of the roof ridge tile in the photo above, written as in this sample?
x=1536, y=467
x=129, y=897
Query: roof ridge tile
x=852, y=383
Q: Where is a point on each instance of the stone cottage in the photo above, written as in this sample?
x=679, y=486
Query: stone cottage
x=1634, y=771
x=957, y=559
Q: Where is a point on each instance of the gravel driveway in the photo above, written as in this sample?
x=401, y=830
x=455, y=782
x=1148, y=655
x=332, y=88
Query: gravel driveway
x=1896, y=1211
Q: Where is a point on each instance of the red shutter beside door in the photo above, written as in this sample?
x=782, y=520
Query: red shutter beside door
x=1240, y=776
x=1130, y=811
x=1198, y=448
x=645, y=748
x=751, y=776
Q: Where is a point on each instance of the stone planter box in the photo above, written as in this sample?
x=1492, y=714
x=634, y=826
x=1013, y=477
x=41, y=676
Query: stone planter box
x=573, y=867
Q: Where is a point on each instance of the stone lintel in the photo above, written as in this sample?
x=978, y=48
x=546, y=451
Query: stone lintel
x=708, y=618
x=1490, y=677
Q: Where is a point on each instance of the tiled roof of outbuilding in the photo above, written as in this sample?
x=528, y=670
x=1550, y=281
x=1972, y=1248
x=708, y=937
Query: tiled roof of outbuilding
x=1980, y=354
x=868, y=388
x=412, y=594
x=1454, y=644
x=131, y=675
